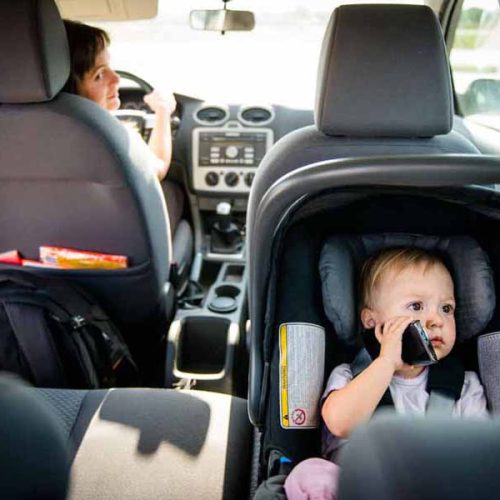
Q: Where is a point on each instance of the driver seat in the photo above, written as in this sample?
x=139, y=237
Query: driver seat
x=70, y=177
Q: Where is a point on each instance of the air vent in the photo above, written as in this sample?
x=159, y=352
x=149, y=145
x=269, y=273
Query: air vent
x=211, y=115
x=256, y=115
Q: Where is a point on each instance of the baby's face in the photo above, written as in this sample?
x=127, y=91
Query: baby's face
x=421, y=293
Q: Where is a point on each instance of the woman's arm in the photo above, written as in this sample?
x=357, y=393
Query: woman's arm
x=160, y=141
x=346, y=408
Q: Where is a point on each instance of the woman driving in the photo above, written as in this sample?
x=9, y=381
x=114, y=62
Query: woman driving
x=92, y=77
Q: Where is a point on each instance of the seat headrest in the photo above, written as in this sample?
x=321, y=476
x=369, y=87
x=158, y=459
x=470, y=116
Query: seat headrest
x=343, y=256
x=394, y=457
x=34, y=61
x=384, y=72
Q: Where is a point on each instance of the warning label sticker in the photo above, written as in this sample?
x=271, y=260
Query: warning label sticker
x=302, y=361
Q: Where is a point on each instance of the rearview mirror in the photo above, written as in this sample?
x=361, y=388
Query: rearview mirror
x=222, y=20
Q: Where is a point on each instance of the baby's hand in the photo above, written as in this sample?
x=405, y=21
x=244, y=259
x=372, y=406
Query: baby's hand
x=161, y=101
x=390, y=336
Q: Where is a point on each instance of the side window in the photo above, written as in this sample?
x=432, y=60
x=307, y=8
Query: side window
x=475, y=61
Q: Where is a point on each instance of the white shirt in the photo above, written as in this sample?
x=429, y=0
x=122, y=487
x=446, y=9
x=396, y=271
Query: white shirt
x=410, y=398
x=141, y=153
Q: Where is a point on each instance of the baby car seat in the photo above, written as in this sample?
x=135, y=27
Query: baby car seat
x=340, y=262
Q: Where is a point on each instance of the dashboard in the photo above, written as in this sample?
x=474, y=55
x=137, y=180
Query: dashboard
x=217, y=148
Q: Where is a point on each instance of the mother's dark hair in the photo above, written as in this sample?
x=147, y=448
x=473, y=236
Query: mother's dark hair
x=85, y=42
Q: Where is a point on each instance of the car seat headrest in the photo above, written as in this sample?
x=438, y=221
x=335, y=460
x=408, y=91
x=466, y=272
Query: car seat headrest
x=383, y=72
x=35, y=61
x=343, y=256
x=434, y=457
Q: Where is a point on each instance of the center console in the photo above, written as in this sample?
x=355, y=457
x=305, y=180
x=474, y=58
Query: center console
x=206, y=344
x=207, y=348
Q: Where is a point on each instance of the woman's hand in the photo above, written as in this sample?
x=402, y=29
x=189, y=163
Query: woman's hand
x=390, y=336
x=159, y=102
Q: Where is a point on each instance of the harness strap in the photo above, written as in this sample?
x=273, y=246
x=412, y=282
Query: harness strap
x=447, y=377
x=439, y=403
x=444, y=383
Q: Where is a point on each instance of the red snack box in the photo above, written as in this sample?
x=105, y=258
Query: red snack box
x=37, y=263
x=11, y=257
x=81, y=259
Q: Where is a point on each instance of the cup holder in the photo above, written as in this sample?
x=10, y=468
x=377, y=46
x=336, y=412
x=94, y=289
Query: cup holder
x=227, y=291
x=225, y=299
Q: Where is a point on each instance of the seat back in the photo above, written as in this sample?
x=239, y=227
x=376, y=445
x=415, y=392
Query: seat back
x=393, y=458
x=383, y=89
x=70, y=177
x=34, y=455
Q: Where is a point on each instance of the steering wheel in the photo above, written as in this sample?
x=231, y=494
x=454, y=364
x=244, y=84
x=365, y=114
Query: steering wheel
x=143, y=84
x=138, y=118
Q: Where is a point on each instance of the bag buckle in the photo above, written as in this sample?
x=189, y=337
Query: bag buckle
x=77, y=322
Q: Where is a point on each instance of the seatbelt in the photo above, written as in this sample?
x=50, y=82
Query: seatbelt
x=439, y=403
x=444, y=385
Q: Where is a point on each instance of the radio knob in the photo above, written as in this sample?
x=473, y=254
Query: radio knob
x=249, y=178
x=231, y=151
x=212, y=178
x=231, y=179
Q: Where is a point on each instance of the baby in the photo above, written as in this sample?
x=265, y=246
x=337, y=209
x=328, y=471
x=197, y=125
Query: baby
x=397, y=286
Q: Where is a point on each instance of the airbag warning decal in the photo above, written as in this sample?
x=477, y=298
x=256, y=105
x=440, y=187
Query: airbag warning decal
x=302, y=361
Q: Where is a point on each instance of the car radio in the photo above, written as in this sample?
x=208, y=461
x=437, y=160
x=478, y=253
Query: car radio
x=226, y=159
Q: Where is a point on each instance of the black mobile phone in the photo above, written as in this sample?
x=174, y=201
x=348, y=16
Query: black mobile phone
x=416, y=350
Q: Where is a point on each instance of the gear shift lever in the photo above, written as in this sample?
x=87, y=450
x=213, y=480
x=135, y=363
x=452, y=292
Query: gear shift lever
x=225, y=234
x=223, y=210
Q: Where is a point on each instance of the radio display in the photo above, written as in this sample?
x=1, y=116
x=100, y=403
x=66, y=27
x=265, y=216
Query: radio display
x=235, y=149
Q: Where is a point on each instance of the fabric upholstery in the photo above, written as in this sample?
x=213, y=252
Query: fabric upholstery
x=66, y=405
x=434, y=458
x=384, y=72
x=156, y=443
x=342, y=257
x=35, y=60
x=34, y=457
x=81, y=184
x=488, y=351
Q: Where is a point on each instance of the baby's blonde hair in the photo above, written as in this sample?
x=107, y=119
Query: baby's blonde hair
x=394, y=259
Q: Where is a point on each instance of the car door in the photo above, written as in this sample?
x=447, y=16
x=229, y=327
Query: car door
x=473, y=38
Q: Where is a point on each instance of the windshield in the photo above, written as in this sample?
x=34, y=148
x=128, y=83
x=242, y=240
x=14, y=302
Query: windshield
x=275, y=63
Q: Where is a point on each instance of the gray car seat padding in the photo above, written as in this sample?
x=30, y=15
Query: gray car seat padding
x=34, y=455
x=488, y=352
x=155, y=443
x=342, y=257
x=434, y=458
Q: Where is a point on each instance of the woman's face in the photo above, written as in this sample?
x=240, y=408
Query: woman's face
x=100, y=84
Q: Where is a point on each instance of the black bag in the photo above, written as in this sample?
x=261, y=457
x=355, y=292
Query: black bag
x=54, y=334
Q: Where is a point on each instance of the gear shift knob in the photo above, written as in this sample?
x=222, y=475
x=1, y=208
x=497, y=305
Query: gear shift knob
x=223, y=208
x=225, y=233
